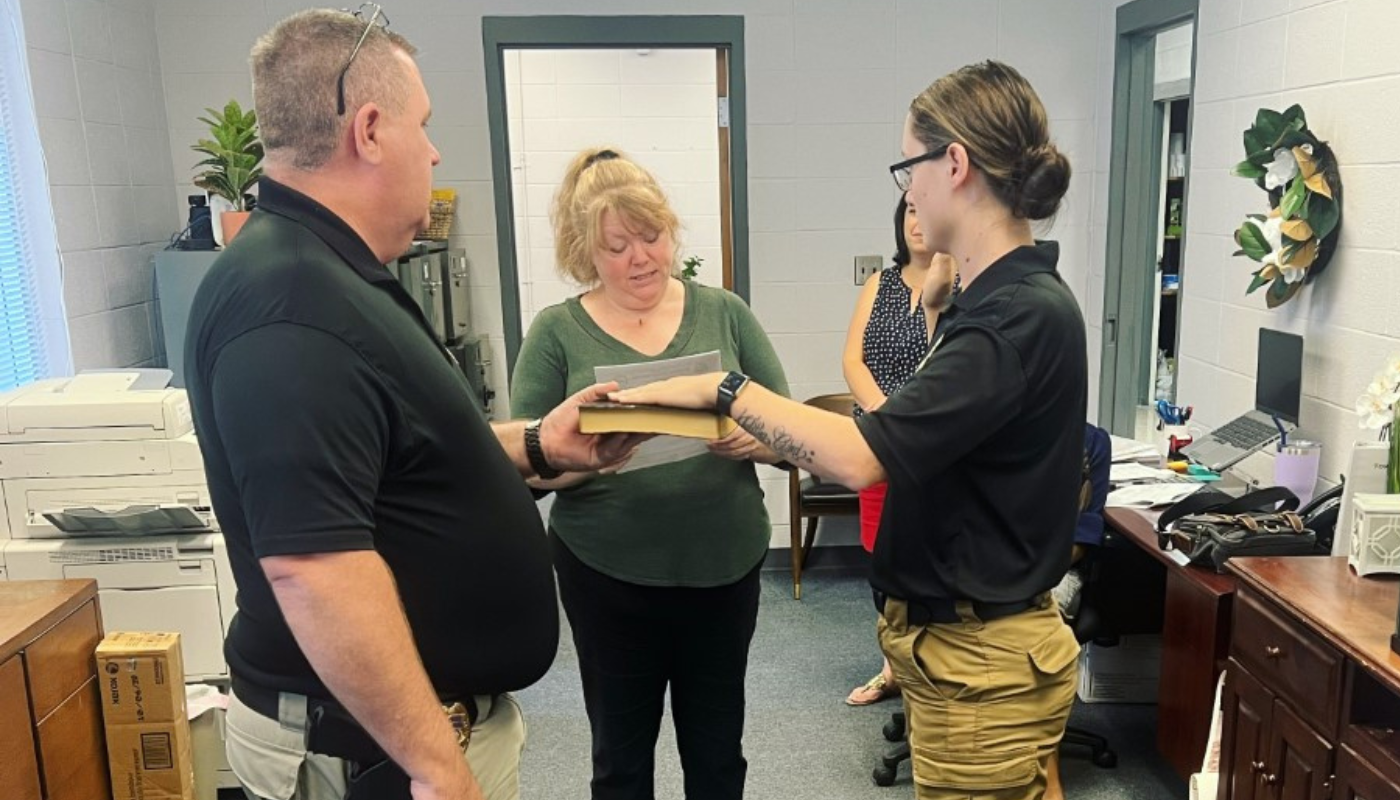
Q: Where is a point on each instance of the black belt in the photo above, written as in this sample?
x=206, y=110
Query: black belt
x=929, y=612
x=331, y=730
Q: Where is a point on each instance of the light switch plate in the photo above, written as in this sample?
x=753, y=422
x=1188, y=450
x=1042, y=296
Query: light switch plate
x=867, y=266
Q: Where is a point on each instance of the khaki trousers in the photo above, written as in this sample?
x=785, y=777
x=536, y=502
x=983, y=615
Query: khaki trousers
x=269, y=756
x=986, y=702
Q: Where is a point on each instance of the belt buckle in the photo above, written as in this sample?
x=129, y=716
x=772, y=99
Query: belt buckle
x=461, y=723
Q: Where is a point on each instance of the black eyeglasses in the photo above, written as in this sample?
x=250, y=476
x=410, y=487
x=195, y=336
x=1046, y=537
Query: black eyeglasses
x=903, y=172
x=376, y=14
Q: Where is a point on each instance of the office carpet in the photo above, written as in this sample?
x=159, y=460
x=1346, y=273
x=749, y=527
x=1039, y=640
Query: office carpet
x=801, y=739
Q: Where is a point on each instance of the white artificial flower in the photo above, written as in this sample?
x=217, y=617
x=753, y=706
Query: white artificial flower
x=1281, y=170
x=1376, y=405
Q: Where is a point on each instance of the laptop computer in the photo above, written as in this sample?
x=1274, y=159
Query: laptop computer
x=1278, y=391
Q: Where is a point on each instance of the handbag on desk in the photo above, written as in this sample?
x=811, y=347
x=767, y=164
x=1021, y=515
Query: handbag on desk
x=1211, y=527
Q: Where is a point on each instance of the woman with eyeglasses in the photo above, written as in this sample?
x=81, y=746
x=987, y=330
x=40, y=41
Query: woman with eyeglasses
x=887, y=338
x=658, y=567
x=982, y=448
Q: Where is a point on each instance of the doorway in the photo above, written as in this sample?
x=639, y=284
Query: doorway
x=1148, y=181
x=668, y=91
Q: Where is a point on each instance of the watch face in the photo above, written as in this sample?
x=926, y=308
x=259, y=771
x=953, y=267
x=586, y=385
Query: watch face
x=732, y=382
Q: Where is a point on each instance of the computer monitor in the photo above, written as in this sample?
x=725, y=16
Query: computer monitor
x=1278, y=389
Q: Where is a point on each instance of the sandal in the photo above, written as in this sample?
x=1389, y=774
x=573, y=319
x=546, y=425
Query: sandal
x=872, y=691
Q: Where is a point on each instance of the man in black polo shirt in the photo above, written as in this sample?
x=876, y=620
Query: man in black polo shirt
x=983, y=450
x=390, y=560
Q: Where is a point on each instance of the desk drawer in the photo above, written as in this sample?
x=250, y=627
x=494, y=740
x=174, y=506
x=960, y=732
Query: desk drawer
x=62, y=659
x=1289, y=660
x=73, y=748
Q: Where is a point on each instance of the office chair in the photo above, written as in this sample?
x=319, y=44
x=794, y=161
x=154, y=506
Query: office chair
x=811, y=497
x=1124, y=593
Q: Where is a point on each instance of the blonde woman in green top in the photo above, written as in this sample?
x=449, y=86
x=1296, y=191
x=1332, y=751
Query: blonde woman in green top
x=658, y=567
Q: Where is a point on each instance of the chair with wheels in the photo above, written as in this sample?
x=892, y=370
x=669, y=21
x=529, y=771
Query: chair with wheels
x=1124, y=593
x=810, y=497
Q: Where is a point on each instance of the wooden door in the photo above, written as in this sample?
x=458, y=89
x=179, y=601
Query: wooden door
x=1247, y=709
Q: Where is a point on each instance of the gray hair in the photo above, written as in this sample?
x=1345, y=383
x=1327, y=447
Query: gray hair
x=295, y=67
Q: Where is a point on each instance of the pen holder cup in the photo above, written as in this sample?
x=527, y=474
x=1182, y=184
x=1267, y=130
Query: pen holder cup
x=1169, y=434
x=1295, y=467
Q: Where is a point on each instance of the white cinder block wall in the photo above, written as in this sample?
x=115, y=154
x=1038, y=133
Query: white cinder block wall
x=828, y=84
x=1338, y=59
x=96, y=76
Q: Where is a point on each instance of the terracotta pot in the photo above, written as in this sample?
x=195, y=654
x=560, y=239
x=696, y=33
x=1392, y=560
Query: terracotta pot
x=232, y=222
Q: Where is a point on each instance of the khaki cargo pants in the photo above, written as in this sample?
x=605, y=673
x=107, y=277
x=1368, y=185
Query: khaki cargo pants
x=986, y=702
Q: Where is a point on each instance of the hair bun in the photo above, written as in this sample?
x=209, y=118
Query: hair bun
x=1045, y=178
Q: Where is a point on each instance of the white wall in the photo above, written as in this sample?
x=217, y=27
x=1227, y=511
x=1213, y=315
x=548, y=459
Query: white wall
x=1339, y=60
x=657, y=106
x=96, y=77
x=828, y=85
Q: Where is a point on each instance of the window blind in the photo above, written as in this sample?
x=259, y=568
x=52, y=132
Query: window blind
x=33, y=326
x=22, y=350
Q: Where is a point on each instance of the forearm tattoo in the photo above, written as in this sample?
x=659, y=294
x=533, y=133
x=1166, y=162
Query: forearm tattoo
x=780, y=441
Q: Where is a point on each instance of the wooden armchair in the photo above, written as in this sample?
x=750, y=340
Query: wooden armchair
x=811, y=497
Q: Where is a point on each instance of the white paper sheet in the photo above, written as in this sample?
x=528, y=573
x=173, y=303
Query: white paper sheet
x=662, y=449
x=1147, y=495
x=201, y=698
x=1131, y=471
x=1133, y=450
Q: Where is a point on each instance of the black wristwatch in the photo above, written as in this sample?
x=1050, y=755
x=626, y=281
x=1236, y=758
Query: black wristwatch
x=729, y=390
x=534, y=452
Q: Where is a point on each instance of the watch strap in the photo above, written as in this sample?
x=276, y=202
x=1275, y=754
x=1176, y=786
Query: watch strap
x=534, y=452
x=729, y=390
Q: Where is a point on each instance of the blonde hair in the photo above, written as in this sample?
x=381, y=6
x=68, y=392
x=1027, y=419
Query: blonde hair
x=599, y=180
x=993, y=111
x=295, y=68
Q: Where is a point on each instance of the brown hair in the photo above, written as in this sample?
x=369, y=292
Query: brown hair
x=993, y=112
x=598, y=180
x=295, y=67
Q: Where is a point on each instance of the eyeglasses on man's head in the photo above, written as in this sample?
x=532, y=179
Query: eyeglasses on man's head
x=372, y=13
x=903, y=172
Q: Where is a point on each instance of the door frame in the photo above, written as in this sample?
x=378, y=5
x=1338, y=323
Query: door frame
x=1134, y=174
x=598, y=32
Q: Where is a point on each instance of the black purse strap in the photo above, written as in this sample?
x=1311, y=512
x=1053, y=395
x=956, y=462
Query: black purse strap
x=1272, y=498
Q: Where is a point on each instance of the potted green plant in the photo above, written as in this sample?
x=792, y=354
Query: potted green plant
x=234, y=161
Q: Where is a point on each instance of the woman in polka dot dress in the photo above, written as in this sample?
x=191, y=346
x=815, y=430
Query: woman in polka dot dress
x=889, y=335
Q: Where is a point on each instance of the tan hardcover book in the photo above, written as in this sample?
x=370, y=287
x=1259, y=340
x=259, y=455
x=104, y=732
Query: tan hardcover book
x=629, y=418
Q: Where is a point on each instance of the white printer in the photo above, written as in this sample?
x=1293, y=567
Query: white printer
x=102, y=478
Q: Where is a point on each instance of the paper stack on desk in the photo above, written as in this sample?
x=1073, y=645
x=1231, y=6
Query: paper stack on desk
x=1147, y=495
x=1133, y=450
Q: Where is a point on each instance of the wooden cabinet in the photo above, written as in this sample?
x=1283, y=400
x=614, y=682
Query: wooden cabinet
x=1311, y=703
x=1358, y=779
x=51, y=736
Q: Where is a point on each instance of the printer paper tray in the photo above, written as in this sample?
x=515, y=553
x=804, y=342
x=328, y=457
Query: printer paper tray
x=137, y=520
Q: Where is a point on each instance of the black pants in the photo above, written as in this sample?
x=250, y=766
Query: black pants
x=632, y=642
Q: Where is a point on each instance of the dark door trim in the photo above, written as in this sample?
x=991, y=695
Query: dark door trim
x=513, y=33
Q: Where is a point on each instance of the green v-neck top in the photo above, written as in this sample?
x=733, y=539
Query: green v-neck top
x=698, y=522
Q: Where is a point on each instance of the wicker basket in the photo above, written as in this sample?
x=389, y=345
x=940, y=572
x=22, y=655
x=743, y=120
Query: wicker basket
x=443, y=205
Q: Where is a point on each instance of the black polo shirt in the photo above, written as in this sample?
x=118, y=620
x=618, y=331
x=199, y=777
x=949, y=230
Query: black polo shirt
x=331, y=420
x=984, y=446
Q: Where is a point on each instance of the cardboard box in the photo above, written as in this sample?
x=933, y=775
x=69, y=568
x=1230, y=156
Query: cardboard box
x=144, y=712
x=1125, y=673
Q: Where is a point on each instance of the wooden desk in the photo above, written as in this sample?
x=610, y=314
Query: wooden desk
x=1195, y=645
x=1312, y=694
x=51, y=737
